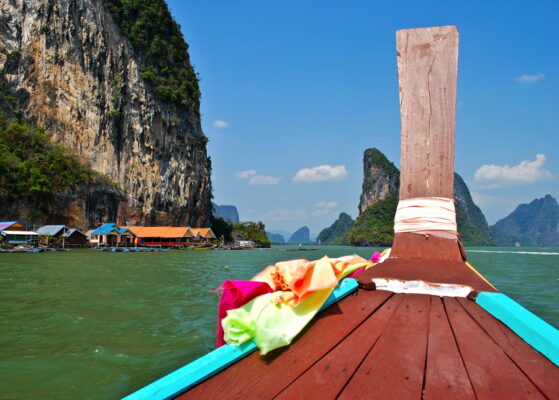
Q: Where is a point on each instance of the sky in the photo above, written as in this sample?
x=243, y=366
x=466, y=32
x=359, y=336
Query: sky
x=293, y=93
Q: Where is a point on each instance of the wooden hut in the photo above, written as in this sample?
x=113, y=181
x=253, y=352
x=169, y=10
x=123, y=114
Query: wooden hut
x=203, y=234
x=423, y=323
x=162, y=236
x=110, y=234
x=74, y=237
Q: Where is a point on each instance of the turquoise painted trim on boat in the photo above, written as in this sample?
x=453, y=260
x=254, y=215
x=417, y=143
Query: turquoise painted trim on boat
x=531, y=328
x=217, y=360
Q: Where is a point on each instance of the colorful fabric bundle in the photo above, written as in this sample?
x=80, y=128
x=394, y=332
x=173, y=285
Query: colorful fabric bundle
x=276, y=304
x=235, y=294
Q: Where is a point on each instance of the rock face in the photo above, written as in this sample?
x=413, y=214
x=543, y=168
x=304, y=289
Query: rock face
x=472, y=224
x=301, y=235
x=536, y=223
x=228, y=213
x=80, y=78
x=380, y=178
x=336, y=233
x=275, y=237
x=381, y=182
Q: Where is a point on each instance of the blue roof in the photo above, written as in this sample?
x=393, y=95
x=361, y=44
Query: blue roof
x=111, y=228
x=51, y=230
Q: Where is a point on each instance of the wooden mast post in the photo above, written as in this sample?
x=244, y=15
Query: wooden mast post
x=427, y=73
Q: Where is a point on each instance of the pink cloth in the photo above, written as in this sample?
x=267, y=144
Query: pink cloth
x=235, y=294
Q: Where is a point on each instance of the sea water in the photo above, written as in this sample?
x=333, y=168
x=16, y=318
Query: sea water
x=102, y=325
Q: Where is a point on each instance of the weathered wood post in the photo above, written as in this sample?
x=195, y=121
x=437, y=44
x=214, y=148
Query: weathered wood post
x=427, y=73
x=426, y=246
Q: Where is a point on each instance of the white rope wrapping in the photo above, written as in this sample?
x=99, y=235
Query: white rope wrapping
x=423, y=214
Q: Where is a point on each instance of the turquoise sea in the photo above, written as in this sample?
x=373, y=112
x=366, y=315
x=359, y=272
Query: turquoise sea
x=101, y=325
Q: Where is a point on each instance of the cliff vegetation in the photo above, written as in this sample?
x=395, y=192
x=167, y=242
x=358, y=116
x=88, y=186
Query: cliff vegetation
x=33, y=170
x=156, y=36
x=375, y=226
x=336, y=234
x=254, y=231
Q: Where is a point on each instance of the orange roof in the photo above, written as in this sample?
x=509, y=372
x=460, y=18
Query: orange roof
x=160, y=231
x=203, y=232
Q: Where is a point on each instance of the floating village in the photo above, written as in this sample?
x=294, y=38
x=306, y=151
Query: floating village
x=16, y=238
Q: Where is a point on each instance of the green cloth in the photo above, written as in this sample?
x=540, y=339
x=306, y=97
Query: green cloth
x=271, y=323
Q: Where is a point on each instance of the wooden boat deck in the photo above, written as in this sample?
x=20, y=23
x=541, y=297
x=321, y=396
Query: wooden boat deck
x=397, y=346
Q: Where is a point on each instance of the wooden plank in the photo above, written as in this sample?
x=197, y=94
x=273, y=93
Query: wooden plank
x=534, y=330
x=264, y=377
x=541, y=371
x=445, y=376
x=217, y=360
x=326, y=378
x=427, y=73
x=394, y=369
x=436, y=271
x=412, y=245
x=492, y=374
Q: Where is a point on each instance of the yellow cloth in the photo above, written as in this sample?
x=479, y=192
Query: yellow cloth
x=274, y=319
x=299, y=278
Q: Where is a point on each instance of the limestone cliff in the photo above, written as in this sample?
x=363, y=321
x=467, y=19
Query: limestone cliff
x=336, y=234
x=227, y=212
x=472, y=224
x=301, y=235
x=381, y=182
x=380, y=178
x=80, y=78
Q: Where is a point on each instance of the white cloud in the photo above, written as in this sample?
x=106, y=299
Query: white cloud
x=495, y=176
x=263, y=180
x=321, y=173
x=254, y=179
x=245, y=174
x=218, y=123
x=324, y=207
x=527, y=78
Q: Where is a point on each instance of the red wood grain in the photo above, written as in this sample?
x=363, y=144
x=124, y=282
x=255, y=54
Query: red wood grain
x=492, y=374
x=436, y=271
x=264, y=377
x=394, y=369
x=542, y=372
x=413, y=245
x=427, y=71
x=445, y=376
x=328, y=376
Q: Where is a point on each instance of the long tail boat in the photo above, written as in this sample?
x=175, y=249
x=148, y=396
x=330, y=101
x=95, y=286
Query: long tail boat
x=423, y=323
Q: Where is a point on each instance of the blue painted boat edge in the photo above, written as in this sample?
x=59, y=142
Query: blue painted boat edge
x=210, y=364
x=531, y=328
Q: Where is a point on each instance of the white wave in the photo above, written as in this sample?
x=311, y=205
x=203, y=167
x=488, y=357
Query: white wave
x=514, y=252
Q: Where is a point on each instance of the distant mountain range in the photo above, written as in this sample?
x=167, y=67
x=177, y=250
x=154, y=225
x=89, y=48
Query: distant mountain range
x=533, y=224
